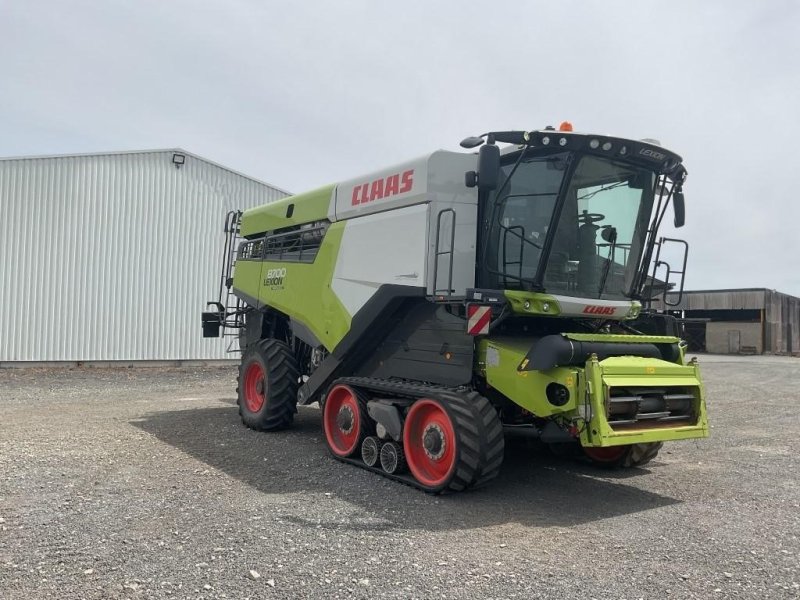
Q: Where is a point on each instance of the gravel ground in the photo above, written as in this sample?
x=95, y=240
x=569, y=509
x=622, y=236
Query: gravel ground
x=143, y=484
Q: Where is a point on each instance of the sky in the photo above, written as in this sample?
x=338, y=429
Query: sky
x=300, y=94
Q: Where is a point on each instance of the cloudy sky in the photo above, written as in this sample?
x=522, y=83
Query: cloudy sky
x=305, y=93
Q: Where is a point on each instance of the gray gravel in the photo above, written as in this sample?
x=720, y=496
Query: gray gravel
x=143, y=484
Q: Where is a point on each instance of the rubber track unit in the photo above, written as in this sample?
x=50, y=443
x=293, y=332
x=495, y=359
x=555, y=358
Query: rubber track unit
x=282, y=377
x=481, y=433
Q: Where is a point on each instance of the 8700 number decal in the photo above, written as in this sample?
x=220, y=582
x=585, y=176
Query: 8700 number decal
x=275, y=277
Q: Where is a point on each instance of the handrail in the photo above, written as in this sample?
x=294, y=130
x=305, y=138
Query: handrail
x=450, y=252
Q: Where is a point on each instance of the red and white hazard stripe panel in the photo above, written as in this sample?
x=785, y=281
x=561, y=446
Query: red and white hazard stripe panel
x=478, y=319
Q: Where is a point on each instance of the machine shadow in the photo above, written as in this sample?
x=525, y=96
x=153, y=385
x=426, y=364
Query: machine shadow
x=533, y=489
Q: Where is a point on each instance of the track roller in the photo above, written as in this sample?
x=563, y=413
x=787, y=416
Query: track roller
x=370, y=450
x=393, y=460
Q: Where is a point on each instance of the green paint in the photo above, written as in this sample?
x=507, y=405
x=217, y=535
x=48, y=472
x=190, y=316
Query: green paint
x=532, y=303
x=628, y=371
x=308, y=207
x=305, y=293
x=622, y=338
x=498, y=359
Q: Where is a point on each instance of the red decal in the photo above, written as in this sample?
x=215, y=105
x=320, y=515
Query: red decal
x=383, y=188
x=599, y=310
x=364, y=197
x=392, y=185
x=407, y=182
x=376, y=190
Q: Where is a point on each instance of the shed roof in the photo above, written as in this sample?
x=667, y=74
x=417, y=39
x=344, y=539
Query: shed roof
x=152, y=151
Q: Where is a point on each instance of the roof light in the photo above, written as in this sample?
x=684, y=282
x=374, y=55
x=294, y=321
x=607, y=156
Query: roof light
x=545, y=140
x=565, y=126
x=562, y=141
x=594, y=144
x=607, y=146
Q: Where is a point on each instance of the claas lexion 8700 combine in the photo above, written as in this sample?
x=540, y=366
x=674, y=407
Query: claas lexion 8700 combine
x=436, y=306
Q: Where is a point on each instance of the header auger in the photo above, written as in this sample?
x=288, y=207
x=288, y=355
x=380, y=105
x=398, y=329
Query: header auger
x=437, y=304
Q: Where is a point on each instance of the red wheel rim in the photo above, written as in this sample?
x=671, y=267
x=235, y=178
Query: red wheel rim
x=342, y=420
x=430, y=443
x=255, y=387
x=606, y=455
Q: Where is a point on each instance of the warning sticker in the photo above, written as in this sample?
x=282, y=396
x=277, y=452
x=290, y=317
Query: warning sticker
x=478, y=319
x=492, y=357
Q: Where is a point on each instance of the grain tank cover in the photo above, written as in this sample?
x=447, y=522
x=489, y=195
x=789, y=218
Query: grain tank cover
x=438, y=176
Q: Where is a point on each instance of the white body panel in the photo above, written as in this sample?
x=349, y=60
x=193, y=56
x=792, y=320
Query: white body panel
x=391, y=239
x=615, y=310
x=388, y=247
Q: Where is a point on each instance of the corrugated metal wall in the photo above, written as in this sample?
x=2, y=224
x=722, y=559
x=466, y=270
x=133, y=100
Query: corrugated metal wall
x=112, y=257
x=782, y=327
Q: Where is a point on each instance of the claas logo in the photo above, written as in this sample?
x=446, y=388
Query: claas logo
x=599, y=310
x=385, y=187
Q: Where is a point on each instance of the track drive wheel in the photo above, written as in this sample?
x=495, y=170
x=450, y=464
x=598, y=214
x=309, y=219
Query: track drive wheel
x=268, y=381
x=633, y=455
x=453, y=441
x=345, y=420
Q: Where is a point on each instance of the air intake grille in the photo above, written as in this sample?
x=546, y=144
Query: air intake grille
x=645, y=408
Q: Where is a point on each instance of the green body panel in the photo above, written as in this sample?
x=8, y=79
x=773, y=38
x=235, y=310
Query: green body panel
x=498, y=360
x=622, y=338
x=308, y=207
x=304, y=292
x=247, y=278
x=532, y=303
x=637, y=371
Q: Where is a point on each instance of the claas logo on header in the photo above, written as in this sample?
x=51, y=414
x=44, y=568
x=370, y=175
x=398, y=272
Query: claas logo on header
x=385, y=187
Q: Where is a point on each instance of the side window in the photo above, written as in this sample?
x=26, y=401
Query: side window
x=300, y=244
x=251, y=250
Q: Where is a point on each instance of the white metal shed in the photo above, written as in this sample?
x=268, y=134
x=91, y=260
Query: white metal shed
x=111, y=257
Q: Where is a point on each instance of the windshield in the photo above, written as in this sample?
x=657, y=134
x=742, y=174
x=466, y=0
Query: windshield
x=600, y=233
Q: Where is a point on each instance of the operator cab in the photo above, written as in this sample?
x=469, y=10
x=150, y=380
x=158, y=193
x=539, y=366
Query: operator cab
x=572, y=214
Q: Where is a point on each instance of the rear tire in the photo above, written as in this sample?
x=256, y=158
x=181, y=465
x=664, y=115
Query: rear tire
x=268, y=382
x=614, y=457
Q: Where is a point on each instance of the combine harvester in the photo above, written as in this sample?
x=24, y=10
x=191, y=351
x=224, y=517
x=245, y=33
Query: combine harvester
x=437, y=305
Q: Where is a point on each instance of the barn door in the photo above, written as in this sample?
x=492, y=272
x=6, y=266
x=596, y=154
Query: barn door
x=734, y=341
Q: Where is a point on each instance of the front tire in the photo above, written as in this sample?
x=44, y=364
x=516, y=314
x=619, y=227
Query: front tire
x=268, y=382
x=633, y=455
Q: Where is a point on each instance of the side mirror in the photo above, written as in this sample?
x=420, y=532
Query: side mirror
x=609, y=234
x=679, y=207
x=488, y=167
